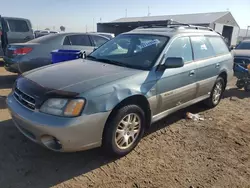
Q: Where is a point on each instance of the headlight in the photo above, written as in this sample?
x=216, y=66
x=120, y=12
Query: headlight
x=63, y=107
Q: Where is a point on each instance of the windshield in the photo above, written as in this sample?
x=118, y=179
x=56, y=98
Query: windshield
x=131, y=50
x=244, y=46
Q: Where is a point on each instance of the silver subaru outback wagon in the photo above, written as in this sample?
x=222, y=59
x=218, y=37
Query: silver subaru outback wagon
x=120, y=89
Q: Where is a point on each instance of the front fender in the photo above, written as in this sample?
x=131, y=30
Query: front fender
x=109, y=101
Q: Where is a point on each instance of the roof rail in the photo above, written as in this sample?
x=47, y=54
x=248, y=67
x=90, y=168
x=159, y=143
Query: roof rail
x=169, y=23
x=175, y=24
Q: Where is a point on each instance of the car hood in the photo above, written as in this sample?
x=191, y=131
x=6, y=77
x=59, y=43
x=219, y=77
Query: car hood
x=242, y=53
x=78, y=75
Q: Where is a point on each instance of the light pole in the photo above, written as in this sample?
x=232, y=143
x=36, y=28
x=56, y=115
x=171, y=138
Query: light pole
x=247, y=31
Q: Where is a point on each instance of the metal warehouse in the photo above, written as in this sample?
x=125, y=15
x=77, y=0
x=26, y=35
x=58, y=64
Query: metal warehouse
x=222, y=22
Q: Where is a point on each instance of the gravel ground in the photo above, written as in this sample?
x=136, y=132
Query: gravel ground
x=174, y=153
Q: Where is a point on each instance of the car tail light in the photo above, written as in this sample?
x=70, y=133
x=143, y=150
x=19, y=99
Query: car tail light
x=22, y=51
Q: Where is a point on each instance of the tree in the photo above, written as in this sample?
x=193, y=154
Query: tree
x=47, y=29
x=62, y=28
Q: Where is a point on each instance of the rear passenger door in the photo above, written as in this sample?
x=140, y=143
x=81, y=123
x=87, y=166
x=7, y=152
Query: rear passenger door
x=177, y=86
x=78, y=42
x=207, y=54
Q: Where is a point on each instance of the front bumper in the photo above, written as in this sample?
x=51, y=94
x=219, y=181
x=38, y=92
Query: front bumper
x=11, y=65
x=73, y=134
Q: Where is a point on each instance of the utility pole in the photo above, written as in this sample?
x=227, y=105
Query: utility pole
x=149, y=11
x=93, y=24
x=247, y=31
x=86, y=28
x=126, y=13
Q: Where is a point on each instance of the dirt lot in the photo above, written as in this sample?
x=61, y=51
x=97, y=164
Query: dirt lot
x=174, y=153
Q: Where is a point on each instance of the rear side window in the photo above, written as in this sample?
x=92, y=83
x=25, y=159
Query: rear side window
x=66, y=41
x=18, y=25
x=218, y=45
x=202, y=48
x=80, y=40
x=181, y=47
x=98, y=41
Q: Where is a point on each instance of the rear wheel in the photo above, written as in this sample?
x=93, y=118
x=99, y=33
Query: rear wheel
x=240, y=84
x=247, y=87
x=216, y=93
x=124, y=130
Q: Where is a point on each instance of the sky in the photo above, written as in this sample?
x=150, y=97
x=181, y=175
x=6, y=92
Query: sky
x=82, y=15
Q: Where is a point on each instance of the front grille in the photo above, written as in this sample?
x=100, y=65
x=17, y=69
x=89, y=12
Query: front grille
x=24, y=99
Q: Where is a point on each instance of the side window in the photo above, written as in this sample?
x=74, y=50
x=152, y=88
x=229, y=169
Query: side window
x=218, y=45
x=80, y=40
x=181, y=47
x=98, y=41
x=202, y=48
x=66, y=41
x=18, y=25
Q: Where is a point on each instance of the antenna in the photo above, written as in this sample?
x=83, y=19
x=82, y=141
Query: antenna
x=149, y=11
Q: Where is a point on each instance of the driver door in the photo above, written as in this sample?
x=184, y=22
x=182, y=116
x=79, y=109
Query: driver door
x=177, y=86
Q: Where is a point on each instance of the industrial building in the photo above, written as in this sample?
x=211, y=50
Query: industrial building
x=222, y=22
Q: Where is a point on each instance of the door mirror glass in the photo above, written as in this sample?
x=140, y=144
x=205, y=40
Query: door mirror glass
x=173, y=62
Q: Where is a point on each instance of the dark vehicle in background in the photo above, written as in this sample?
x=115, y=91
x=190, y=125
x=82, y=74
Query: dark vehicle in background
x=22, y=57
x=242, y=53
x=15, y=30
x=242, y=60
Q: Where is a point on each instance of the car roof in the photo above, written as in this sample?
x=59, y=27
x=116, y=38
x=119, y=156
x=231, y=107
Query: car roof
x=168, y=31
x=80, y=33
x=246, y=40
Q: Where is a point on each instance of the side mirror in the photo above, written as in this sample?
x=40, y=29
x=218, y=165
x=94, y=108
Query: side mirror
x=173, y=62
x=232, y=48
x=83, y=55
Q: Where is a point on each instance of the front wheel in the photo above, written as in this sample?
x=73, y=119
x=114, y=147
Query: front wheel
x=216, y=93
x=124, y=130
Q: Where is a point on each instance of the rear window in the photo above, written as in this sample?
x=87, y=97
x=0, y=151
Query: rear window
x=244, y=46
x=202, y=48
x=44, y=39
x=18, y=25
x=218, y=45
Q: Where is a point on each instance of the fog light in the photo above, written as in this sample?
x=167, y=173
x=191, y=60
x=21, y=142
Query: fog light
x=51, y=142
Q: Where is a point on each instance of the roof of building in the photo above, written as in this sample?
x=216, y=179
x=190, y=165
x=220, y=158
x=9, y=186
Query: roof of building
x=198, y=18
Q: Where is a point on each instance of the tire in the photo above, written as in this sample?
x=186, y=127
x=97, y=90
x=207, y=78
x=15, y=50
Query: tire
x=240, y=84
x=247, y=87
x=214, y=100
x=115, y=130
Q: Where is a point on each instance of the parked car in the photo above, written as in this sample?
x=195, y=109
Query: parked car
x=42, y=33
x=119, y=90
x=14, y=30
x=36, y=33
x=22, y=57
x=108, y=35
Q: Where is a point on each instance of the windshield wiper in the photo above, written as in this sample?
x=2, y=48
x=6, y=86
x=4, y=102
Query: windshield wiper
x=91, y=57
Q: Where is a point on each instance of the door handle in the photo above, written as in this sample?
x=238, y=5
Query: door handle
x=217, y=65
x=192, y=73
